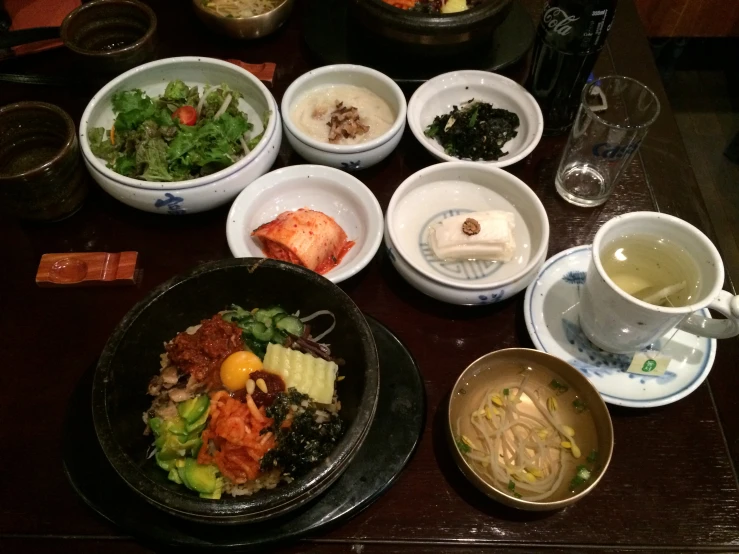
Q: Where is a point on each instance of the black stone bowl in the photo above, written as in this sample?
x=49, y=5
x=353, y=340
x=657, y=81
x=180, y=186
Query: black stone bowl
x=131, y=358
x=413, y=34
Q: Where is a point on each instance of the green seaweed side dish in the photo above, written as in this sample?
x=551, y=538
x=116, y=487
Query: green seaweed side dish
x=474, y=131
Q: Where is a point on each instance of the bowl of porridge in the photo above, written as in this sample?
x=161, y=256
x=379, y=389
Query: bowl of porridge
x=345, y=116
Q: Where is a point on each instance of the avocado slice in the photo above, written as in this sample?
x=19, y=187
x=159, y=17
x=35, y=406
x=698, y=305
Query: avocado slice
x=171, y=446
x=216, y=494
x=156, y=425
x=165, y=464
x=175, y=425
x=200, y=478
x=198, y=425
x=191, y=410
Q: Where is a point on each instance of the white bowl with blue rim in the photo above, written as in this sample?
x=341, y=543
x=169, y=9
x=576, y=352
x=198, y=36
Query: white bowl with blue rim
x=448, y=189
x=194, y=195
x=552, y=315
x=349, y=157
x=439, y=95
x=335, y=193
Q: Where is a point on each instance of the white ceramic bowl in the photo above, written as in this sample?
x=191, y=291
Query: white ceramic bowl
x=324, y=189
x=447, y=189
x=345, y=156
x=439, y=95
x=199, y=194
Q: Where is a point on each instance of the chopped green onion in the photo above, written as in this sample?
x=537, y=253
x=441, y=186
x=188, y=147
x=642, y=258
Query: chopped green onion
x=559, y=387
x=511, y=485
x=463, y=448
x=579, y=405
x=593, y=457
x=505, y=392
x=583, y=472
x=516, y=495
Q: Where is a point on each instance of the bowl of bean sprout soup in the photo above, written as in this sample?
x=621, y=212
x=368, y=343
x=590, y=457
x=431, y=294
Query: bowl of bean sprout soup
x=529, y=430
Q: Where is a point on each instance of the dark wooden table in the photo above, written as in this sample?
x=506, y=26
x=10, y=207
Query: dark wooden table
x=672, y=483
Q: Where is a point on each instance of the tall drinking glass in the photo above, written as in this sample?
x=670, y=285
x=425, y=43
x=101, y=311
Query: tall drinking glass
x=614, y=117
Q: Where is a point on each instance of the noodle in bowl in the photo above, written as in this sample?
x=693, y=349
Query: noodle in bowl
x=243, y=19
x=529, y=430
x=241, y=8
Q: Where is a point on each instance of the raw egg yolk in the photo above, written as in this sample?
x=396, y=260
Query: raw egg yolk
x=235, y=369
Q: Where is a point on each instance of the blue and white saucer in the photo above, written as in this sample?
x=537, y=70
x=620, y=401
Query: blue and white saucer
x=551, y=310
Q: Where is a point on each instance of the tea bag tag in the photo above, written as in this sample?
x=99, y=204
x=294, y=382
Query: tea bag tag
x=645, y=363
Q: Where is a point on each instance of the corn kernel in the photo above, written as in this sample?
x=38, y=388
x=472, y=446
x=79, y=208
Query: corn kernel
x=569, y=431
x=575, y=451
x=565, y=444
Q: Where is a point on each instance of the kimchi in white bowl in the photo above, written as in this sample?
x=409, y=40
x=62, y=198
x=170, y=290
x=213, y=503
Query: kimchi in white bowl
x=315, y=216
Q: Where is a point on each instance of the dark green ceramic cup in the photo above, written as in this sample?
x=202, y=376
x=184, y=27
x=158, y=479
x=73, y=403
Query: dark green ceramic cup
x=41, y=174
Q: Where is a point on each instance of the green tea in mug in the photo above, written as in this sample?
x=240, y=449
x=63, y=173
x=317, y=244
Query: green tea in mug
x=652, y=269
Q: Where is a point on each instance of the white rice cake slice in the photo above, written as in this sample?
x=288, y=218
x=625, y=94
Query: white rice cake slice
x=308, y=374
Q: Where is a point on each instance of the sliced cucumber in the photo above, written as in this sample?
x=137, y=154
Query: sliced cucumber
x=291, y=324
x=273, y=311
x=264, y=317
x=261, y=332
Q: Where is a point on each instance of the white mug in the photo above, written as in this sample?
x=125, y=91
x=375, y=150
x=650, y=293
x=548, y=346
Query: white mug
x=617, y=322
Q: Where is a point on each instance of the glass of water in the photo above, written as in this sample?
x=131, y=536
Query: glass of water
x=614, y=117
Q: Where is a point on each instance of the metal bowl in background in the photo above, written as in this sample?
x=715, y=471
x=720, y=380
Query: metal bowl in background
x=111, y=36
x=131, y=358
x=244, y=27
x=505, y=365
x=414, y=34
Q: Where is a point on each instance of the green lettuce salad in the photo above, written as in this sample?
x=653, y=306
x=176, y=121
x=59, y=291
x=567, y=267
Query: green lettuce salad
x=178, y=136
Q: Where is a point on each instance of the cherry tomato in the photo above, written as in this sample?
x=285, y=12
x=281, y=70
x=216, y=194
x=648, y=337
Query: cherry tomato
x=186, y=114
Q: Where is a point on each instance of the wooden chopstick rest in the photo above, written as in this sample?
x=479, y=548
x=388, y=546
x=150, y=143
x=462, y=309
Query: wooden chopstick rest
x=81, y=269
x=263, y=71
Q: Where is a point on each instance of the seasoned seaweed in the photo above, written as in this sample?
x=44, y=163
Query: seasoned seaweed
x=475, y=130
x=306, y=442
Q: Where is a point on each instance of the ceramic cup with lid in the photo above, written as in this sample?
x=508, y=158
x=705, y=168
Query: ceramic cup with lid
x=618, y=322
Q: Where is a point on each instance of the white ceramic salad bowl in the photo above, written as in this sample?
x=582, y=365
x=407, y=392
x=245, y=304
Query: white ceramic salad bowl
x=439, y=95
x=203, y=193
x=343, y=156
x=448, y=189
x=325, y=189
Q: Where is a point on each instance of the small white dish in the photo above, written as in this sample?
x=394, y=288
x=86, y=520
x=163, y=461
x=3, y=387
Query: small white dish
x=448, y=189
x=439, y=95
x=349, y=157
x=453, y=295
x=194, y=195
x=331, y=191
x=551, y=311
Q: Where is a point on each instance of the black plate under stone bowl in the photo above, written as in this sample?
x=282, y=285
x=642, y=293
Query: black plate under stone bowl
x=131, y=358
x=389, y=445
x=332, y=38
